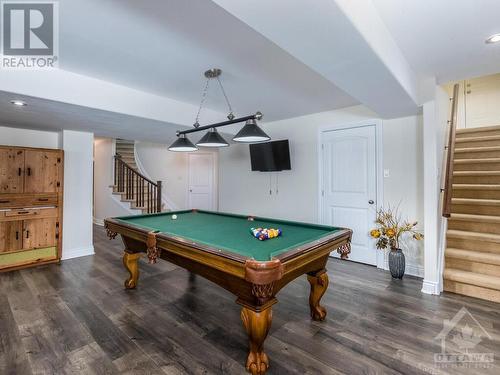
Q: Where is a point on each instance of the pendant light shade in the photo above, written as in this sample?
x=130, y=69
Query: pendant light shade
x=212, y=139
x=182, y=144
x=251, y=133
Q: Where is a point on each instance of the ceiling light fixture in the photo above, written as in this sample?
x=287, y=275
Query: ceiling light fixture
x=182, y=144
x=251, y=133
x=495, y=38
x=18, y=103
x=212, y=139
x=248, y=134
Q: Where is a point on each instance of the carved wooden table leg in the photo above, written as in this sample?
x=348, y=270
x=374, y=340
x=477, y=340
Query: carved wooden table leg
x=257, y=325
x=319, y=284
x=130, y=263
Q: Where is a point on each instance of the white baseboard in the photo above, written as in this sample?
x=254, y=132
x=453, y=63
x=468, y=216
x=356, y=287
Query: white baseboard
x=431, y=287
x=415, y=270
x=97, y=221
x=78, y=252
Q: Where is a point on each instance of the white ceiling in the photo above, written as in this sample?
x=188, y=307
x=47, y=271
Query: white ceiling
x=343, y=40
x=42, y=114
x=445, y=38
x=164, y=46
x=130, y=68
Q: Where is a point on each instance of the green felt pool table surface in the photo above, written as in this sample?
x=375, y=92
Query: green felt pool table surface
x=231, y=232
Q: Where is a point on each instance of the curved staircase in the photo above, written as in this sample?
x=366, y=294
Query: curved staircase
x=133, y=187
x=472, y=255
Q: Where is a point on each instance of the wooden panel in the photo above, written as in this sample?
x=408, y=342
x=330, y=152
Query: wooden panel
x=23, y=214
x=28, y=200
x=41, y=171
x=10, y=236
x=39, y=233
x=11, y=170
x=27, y=257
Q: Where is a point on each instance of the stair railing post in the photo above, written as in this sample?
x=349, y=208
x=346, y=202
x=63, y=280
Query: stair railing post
x=158, y=196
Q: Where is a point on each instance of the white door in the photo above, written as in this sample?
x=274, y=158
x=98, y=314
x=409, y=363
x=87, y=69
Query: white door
x=349, y=186
x=482, y=96
x=201, y=181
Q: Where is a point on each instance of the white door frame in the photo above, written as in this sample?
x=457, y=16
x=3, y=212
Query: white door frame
x=215, y=178
x=379, y=169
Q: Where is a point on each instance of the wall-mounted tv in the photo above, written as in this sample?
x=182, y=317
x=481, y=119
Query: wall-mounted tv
x=270, y=156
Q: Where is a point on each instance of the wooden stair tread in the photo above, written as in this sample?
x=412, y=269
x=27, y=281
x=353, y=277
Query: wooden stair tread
x=476, y=186
x=473, y=256
x=474, y=201
x=478, y=139
x=476, y=173
x=479, y=129
x=477, y=149
x=462, y=234
x=472, y=278
x=476, y=218
x=482, y=160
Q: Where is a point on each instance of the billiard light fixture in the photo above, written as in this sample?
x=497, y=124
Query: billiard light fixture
x=18, y=103
x=212, y=139
x=495, y=38
x=182, y=144
x=250, y=133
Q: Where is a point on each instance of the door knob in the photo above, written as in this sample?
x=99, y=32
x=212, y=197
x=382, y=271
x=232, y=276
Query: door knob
x=371, y=202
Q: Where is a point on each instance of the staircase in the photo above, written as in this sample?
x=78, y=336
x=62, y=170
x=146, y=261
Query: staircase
x=472, y=255
x=133, y=187
x=126, y=149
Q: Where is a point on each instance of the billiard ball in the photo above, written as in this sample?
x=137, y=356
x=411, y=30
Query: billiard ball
x=174, y=217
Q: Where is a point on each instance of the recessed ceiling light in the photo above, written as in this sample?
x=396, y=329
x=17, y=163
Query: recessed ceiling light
x=18, y=103
x=493, y=39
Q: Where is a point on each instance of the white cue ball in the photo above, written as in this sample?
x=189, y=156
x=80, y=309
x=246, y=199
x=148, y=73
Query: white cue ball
x=174, y=217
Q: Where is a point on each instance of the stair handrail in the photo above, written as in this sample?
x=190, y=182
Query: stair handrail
x=450, y=157
x=135, y=186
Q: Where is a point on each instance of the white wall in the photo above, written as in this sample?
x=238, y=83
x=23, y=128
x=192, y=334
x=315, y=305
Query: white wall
x=28, y=138
x=77, y=212
x=402, y=156
x=169, y=167
x=478, y=100
x=436, y=113
x=244, y=191
x=105, y=204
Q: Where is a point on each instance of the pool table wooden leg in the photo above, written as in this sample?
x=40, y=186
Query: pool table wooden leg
x=319, y=284
x=130, y=262
x=257, y=325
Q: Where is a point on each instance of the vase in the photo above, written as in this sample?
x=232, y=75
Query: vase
x=397, y=263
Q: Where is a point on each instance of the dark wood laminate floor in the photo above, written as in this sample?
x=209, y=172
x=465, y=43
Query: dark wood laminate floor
x=77, y=319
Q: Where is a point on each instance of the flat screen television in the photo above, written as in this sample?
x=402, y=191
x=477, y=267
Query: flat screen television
x=270, y=156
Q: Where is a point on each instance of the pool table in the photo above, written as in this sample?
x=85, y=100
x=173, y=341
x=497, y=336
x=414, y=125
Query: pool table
x=220, y=247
